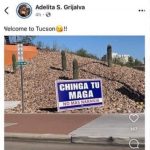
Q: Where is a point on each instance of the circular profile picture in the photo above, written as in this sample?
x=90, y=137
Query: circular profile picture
x=24, y=10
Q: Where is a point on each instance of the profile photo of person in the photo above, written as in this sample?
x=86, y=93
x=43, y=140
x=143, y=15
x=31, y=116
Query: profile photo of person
x=24, y=10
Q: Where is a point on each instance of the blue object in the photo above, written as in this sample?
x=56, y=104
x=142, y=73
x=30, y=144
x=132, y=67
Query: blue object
x=78, y=94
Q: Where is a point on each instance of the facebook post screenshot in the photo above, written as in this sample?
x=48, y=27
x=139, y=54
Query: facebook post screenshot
x=75, y=75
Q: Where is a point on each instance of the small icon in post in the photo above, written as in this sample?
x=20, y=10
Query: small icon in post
x=134, y=144
x=133, y=117
x=48, y=14
x=6, y=10
x=24, y=10
x=59, y=28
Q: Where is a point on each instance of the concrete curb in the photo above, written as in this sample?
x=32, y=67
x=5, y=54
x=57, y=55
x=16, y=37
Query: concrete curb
x=26, y=137
x=106, y=140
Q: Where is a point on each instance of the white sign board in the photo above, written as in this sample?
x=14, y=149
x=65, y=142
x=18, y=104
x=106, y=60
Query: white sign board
x=20, y=52
x=78, y=94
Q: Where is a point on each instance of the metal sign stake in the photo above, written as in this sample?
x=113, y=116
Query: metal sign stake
x=21, y=62
x=22, y=100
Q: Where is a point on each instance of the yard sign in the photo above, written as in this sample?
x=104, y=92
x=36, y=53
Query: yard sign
x=78, y=94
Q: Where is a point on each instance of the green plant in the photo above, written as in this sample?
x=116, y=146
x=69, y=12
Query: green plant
x=137, y=63
x=83, y=53
x=75, y=69
x=63, y=60
x=109, y=55
x=118, y=61
x=14, y=62
x=130, y=62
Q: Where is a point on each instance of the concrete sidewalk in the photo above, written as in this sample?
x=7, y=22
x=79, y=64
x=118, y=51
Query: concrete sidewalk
x=114, y=129
x=11, y=104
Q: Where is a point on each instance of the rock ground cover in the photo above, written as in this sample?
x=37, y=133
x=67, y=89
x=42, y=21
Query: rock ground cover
x=123, y=87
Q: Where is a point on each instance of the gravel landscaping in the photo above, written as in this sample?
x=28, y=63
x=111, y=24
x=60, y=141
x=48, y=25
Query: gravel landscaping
x=123, y=87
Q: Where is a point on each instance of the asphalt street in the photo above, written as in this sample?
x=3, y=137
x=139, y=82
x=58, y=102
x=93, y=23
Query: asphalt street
x=55, y=146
